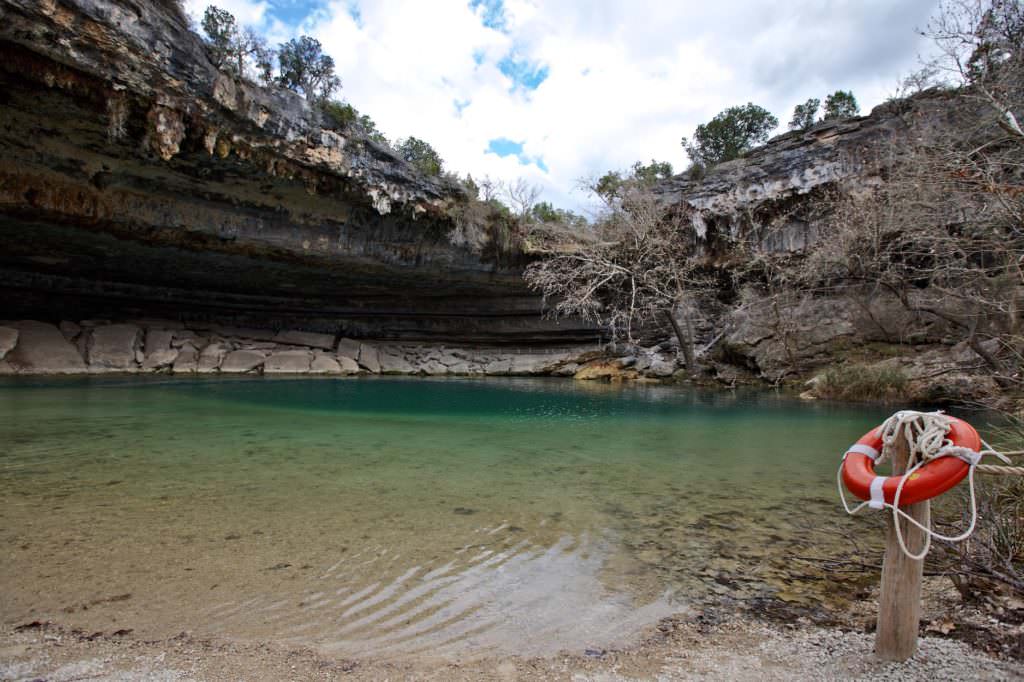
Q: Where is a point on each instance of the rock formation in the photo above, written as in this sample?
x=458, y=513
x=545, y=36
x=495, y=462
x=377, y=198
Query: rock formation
x=138, y=181
x=771, y=201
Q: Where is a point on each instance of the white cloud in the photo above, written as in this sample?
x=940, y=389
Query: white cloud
x=624, y=80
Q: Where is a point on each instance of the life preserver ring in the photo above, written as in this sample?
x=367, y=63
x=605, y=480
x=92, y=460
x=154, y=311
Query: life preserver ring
x=931, y=480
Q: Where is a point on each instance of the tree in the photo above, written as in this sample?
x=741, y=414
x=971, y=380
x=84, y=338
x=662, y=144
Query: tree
x=305, y=68
x=421, y=155
x=655, y=171
x=233, y=50
x=634, y=269
x=612, y=184
x=730, y=134
x=804, y=115
x=222, y=34
x=521, y=197
x=839, y=105
x=544, y=212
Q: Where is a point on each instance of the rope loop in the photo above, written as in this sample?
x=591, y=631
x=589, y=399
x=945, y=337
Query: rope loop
x=927, y=438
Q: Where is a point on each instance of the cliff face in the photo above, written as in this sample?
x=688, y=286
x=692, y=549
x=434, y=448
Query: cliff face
x=137, y=181
x=771, y=202
x=765, y=197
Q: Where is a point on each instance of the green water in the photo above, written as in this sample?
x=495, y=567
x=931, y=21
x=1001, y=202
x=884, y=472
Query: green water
x=393, y=517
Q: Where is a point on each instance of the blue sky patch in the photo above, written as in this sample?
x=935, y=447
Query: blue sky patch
x=355, y=13
x=523, y=73
x=492, y=14
x=294, y=12
x=502, y=146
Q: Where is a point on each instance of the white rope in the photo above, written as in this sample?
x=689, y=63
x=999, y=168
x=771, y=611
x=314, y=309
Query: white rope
x=926, y=434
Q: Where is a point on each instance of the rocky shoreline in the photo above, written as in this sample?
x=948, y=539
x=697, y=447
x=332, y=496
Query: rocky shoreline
x=31, y=347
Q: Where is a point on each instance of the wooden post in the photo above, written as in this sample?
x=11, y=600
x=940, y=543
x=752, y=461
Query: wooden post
x=899, y=601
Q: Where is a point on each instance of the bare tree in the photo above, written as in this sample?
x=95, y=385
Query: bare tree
x=521, y=197
x=630, y=272
x=945, y=233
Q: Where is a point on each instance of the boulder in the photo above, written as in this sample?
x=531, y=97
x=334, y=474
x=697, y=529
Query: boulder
x=211, y=357
x=158, y=340
x=369, y=358
x=42, y=349
x=529, y=364
x=499, y=367
x=348, y=348
x=8, y=340
x=391, y=363
x=161, y=358
x=70, y=330
x=324, y=364
x=660, y=368
x=113, y=346
x=567, y=370
x=183, y=336
x=610, y=370
x=311, y=339
x=288, y=362
x=348, y=365
x=463, y=367
x=187, y=360
x=434, y=368
x=238, y=361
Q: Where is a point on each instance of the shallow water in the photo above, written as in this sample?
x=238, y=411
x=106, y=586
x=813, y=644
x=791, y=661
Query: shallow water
x=393, y=517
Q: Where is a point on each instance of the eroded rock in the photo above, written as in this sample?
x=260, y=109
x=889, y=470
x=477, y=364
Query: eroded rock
x=348, y=365
x=240, y=361
x=113, y=347
x=211, y=357
x=310, y=339
x=369, y=358
x=43, y=349
x=348, y=348
x=288, y=362
x=8, y=340
x=187, y=361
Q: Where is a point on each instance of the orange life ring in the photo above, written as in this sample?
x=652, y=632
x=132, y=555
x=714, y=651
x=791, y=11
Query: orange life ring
x=931, y=480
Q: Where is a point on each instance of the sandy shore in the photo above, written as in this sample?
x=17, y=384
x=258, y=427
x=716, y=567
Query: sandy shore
x=675, y=650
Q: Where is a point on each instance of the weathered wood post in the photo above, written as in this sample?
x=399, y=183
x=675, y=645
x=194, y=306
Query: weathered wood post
x=899, y=601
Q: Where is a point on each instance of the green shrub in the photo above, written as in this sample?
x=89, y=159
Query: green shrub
x=338, y=115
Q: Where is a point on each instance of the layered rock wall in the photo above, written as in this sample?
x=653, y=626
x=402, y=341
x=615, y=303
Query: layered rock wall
x=137, y=181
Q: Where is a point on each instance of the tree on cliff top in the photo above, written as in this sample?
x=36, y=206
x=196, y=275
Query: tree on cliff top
x=730, y=134
x=839, y=105
x=305, y=68
x=421, y=155
x=805, y=115
x=233, y=49
x=612, y=184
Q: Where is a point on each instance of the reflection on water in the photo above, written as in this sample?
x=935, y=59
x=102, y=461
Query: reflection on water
x=391, y=517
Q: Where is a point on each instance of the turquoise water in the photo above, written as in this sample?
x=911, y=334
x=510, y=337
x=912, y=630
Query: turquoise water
x=393, y=517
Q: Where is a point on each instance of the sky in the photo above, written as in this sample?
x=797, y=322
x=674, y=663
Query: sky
x=557, y=92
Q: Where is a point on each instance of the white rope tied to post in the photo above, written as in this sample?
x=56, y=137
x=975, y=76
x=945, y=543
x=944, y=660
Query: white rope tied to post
x=926, y=434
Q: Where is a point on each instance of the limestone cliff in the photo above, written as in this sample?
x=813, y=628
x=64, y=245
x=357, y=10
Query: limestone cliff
x=770, y=202
x=137, y=181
